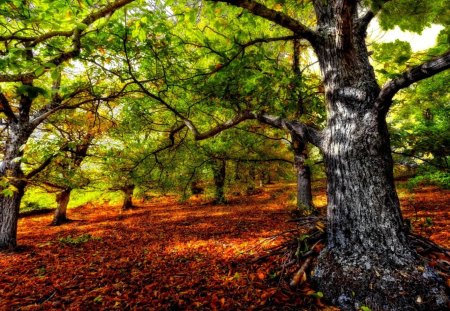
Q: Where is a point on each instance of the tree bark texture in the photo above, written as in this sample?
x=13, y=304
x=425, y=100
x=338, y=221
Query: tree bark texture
x=368, y=260
x=303, y=172
x=11, y=171
x=128, y=197
x=62, y=200
x=219, y=174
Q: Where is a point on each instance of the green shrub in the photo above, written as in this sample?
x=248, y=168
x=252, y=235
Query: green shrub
x=438, y=178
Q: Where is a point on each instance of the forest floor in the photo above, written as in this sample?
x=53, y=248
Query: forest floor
x=166, y=255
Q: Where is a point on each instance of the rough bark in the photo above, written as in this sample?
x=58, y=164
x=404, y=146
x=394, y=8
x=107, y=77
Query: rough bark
x=303, y=172
x=12, y=173
x=219, y=174
x=368, y=260
x=128, y=197
x=9, y=215
x=62, y=200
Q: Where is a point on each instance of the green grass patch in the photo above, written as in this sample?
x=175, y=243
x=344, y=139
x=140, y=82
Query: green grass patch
x=81, y=239
x=37, y=199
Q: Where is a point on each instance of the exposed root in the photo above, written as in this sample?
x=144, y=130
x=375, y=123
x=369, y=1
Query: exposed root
x=300, y=276
x=296, y=258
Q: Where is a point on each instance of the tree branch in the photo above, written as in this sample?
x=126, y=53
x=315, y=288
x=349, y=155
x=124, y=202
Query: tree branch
x=279, y=18
x=37, y=39
x=410, y=76
x=41, y=167
x=235, y=159
x=162, y=148
x=76, y=41
x=246, y=115
x=6, y=108
x=303, y=131
x=363, y=22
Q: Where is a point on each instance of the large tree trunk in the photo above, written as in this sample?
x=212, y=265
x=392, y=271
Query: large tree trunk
x=219, y=174
x=11, y=173
x=128, y=197
x=62, y=200
x=9, y=215
x=304, y=193
x=368, y=260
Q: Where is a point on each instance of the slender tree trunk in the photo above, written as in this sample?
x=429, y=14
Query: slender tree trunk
x=11, y=173
x=368, y=260
x=251, y=185
x=128, y=197
x=219, y=173
x=62, y=200
x=304, y=193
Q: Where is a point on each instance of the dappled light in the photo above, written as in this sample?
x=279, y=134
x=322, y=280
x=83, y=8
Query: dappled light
x=164, y=254
x=232, y=155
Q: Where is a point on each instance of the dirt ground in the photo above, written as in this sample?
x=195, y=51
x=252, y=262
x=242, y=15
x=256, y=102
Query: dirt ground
x=166, y=255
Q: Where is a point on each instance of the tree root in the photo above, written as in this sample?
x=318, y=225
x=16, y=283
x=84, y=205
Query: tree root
x=296, y=256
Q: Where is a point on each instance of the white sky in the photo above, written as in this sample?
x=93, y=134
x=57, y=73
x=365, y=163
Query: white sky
x=418, y=42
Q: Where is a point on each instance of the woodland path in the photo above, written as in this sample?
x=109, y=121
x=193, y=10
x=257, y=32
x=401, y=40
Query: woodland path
x=165, y=255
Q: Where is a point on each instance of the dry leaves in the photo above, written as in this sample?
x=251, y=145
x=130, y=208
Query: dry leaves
x=165, y=255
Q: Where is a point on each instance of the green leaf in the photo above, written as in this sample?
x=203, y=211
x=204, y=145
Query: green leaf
x=39, y=71
x=7, y=192
x=81, y=26
x=318, y=295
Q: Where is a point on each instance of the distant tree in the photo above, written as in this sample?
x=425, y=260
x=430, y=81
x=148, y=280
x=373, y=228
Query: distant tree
x=73, y=133
x=34, y=83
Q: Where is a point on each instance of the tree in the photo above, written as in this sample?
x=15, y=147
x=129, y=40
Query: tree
x=32, y=60
x=368, y=258
x=71, y=133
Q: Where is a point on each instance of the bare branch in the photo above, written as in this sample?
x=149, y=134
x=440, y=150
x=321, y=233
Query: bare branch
x=37, y=39
x=246, y=115
x=303, y=131
x=363, y=22
x=235, y=159
x=410, y=76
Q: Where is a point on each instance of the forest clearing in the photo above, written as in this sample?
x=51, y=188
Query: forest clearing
x=166, y=255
